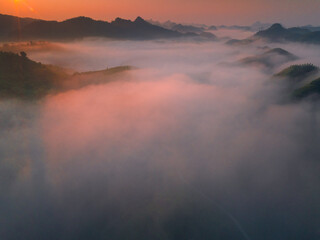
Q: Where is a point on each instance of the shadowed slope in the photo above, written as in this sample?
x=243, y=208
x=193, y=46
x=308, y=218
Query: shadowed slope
x=270, y=58
x=81, y=27
x=23, y=78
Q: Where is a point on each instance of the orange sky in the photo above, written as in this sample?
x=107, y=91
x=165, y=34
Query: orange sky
x=197, y=11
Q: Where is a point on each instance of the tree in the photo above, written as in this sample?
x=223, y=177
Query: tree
x=23, y=54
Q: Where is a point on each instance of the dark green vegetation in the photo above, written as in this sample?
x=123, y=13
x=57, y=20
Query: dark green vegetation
x=270, y=58
x=298, y=71
x=297, y=76
x=311, y=89
x=23, y=78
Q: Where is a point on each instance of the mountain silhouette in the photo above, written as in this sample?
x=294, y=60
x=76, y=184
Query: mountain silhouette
x=10, y=24
x=278, y=33
x=80, y=27
x=182, y=28
x=269, y=59
x=23, y=78
x=298, y=72
x=311, y=90
x=299, y=82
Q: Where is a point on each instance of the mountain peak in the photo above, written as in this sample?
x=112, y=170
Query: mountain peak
x=277, y=26
x=121, y=21
x=79, y=19
x=276, y=31
x=139, y=20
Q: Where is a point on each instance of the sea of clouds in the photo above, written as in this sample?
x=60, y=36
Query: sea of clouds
x=183, y=147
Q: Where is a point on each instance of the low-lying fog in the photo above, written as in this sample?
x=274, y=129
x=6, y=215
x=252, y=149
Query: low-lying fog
x=185, y=147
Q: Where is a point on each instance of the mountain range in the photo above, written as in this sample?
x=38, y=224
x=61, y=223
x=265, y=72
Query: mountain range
x=198, y=28
x=257, y=26
x=15, y=28
x=277, y=33
x=183, y=28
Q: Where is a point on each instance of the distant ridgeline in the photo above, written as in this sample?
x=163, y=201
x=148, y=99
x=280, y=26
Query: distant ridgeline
x=23, y=78
x=13, y=28
x=269, y=59
x=277, y=33
x=302, y=81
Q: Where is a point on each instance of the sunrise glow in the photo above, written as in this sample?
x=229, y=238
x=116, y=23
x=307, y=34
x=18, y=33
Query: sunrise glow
x=204, y=11
x=24, y=5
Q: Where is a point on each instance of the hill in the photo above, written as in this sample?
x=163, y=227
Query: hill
x=23, y=78
x=298, y=72
x=269, y=59
x=31, y=46
x=83, y=79
x=300, y=81
x=310, y=90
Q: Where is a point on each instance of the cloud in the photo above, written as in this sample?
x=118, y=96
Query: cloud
x=182, y=148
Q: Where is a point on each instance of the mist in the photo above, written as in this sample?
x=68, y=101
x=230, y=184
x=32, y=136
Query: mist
x=182, y=147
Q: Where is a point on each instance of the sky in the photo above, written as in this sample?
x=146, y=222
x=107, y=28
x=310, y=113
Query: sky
x=288, y=12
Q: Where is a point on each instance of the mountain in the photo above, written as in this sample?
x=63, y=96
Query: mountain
x=83, y=79
x=182, y=28
x=278, y=33
x=296, y=76
x=311, y=28
x=298, y=72
x=10, y=24
x=31, y=46
x=237, y=42
x=299, y=81
x=20, y=77
x=23, y=78
x=212, y=28
x=269, y=59
x=235, y=27
x=187, y=28
x=309, y=90
x=257, y=26
x=80, y=27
